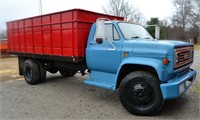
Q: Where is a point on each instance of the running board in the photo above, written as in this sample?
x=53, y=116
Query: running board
x=102, y=85
x=102, y=79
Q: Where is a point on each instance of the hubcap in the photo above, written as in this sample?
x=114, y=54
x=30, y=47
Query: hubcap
x=140, y=94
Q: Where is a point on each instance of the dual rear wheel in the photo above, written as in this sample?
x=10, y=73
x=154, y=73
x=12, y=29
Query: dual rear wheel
x=35, y=71
x=67, y=73
x=63, y=72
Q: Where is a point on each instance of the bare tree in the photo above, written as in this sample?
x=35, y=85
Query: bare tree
x=181, y=16
x=195, y=20
x=195, y=13
x=124, y=9
x=185, y=21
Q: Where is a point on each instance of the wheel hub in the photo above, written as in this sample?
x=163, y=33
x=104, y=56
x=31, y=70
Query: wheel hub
x=140, y=94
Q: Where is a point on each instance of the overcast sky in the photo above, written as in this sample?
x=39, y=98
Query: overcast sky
x=17, y=9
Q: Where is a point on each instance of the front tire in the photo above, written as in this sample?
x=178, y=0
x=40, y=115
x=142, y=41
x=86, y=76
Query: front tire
x=140, y=93
x=31, y=72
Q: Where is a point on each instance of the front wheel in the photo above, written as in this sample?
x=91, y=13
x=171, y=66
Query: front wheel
x=140, y=93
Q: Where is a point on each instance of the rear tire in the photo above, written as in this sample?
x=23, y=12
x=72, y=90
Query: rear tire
x=42, y=71
x=140, y=93
x=67, y=73
x=31, y=72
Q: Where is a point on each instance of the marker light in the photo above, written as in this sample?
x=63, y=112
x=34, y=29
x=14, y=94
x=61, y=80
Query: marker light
x=165, y=61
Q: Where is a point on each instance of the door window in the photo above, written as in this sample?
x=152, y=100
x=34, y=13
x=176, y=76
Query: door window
x=111, y=32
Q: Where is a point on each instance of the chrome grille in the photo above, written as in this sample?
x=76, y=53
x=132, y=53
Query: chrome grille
x=183, y=56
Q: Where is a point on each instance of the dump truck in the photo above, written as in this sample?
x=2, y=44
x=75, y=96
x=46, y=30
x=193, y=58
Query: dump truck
x=118, y=55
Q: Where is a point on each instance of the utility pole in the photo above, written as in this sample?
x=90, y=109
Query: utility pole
x=40, y=6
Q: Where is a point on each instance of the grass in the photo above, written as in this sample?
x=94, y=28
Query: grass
x=197, y=47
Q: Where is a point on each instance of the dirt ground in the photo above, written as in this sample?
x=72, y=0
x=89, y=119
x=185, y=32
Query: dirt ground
x=69, y=98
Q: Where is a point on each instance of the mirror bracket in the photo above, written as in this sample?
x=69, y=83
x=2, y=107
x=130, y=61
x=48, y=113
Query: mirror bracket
x=99, y=40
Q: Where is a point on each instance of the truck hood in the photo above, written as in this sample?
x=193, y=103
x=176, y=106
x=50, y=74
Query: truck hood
x=157, y=48
x=172, y=43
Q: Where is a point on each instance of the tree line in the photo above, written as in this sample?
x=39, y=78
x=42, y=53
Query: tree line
x=184, y=24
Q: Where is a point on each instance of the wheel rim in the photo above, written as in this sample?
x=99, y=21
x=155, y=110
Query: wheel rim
x=29, y=72
x=141, y=94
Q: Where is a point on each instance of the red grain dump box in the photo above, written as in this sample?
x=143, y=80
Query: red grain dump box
x=62, y=33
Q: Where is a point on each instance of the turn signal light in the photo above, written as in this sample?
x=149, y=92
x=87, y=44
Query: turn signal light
x=165, y=61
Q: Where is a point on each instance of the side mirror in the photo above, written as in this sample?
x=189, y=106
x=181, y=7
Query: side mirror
x=157, y=32
x=100, y=28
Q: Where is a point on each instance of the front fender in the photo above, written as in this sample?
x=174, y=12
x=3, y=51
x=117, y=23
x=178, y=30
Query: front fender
x=155, y=63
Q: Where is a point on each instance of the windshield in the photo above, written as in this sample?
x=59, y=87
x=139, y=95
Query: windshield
x=134, y=31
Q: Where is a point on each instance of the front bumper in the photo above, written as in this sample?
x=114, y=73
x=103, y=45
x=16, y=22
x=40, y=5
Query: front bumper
x=179, y=85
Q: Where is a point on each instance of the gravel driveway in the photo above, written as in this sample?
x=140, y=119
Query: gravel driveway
x=69, y=98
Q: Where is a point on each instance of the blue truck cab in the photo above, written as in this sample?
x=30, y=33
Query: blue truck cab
x=123, y=56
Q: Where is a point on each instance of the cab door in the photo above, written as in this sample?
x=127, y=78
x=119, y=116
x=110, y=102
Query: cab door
x=105, y=57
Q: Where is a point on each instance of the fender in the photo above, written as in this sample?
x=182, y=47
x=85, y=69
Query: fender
x=155, y=63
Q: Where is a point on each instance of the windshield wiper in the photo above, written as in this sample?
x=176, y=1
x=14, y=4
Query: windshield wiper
x=135, y=37
x=147, y=38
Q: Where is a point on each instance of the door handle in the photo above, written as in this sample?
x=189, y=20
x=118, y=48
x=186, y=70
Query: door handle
x=92, y=43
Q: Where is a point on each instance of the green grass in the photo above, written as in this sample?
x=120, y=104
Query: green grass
x=197, y=47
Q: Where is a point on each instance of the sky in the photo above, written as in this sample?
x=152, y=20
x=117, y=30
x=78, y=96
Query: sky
x=17, y=9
